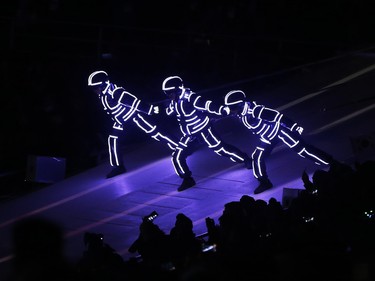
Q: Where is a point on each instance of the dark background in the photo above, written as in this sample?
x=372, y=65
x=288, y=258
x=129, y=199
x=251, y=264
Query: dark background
x=49, y=47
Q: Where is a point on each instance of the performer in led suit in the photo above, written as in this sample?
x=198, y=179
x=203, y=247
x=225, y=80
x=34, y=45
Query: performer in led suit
x=193, y=115
x=123, y=106
x=271, y=126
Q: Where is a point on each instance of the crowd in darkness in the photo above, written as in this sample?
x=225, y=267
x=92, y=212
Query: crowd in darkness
x=326, y=233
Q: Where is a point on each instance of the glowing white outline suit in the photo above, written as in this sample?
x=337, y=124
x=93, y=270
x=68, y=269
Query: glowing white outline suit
x=123, y=106
x=271, y=126
x=192, y=112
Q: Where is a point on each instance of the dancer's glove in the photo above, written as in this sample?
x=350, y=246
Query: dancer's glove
x=299, y=130
x=155, y=109
x=225, y=111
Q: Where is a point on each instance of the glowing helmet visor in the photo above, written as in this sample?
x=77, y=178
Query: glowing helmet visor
x=97, y=78
x=172, y=84
x=234, y=99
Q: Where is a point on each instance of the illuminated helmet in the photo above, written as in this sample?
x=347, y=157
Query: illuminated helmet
x=235, y=99
x=98, y=78
x=172, y=84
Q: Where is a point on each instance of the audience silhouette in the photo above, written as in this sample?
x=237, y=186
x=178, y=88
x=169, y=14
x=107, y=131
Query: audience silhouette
x=153, y=247
x=99, y=261
x=326, y=233
x=38, y=252
x=185, y=246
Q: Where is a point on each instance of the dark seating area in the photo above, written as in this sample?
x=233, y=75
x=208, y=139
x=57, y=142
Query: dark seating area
x=325, y=234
